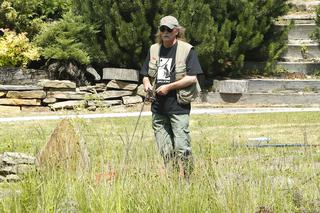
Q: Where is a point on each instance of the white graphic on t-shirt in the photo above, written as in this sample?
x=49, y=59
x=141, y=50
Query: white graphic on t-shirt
x=164, y=70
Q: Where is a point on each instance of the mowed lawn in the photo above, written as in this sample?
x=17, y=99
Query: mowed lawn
x=228, y=177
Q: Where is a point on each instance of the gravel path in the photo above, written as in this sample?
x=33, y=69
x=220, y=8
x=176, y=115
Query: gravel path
x=197, y=111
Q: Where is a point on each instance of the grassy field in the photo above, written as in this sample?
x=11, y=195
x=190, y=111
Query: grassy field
x=229, y=177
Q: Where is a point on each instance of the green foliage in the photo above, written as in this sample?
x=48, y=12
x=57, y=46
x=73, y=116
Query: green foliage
x=225, y=33
x=16, y=50
x=125, y=29
x=70, y=39
x=28, y=15
x=316, y=33
x=246, y=32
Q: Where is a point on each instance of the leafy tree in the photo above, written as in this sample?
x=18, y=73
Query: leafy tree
x=28, y=15
x=16, y=50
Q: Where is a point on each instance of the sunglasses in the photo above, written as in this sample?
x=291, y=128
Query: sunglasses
x=165, y=28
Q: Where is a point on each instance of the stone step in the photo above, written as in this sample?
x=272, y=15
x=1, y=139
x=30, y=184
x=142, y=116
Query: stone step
x=297, y=18
x=298, y=5
x=120, y=74
x=267, y=86
x=299, y=51
x=285, y=85
x=301, y=31
x=308, y=68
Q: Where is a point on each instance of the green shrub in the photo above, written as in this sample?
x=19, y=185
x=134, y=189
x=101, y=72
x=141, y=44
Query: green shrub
x=69, y=39
x=316, y=33
x=29, y=15
x=126, y=28
x=16, y=50
x=225, y=33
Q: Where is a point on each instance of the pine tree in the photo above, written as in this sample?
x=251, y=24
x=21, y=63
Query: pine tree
x=125, y=28
x=246, y=32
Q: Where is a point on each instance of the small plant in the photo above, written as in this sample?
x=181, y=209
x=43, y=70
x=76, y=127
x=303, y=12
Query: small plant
x=280, y=71
x=304, y=51
x=16, y=49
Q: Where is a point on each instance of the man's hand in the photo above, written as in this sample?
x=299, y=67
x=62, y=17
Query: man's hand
x=163, y=90
x=146, y=84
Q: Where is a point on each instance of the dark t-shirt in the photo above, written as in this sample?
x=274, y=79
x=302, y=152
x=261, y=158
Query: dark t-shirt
x=168, y=104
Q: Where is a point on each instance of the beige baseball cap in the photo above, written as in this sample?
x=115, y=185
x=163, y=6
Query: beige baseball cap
x=169, y=21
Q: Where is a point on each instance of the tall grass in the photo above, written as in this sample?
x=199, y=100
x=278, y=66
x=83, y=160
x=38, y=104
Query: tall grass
x=228, y=177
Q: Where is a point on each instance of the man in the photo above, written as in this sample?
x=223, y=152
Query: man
x=170, y=70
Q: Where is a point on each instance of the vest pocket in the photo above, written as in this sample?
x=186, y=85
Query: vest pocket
x=188, y=94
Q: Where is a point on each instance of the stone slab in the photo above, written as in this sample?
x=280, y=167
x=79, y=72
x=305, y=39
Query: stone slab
x=263, y=99
x=300, y=52
x=111, y=94
x=68, y=105
x=116, y=84
x=131, y=100
x=104, y=103
x=35, y=109
x=11, y=109
x=301, y=31
x=14, y=158
x=94, y=89
x=68, y=95
x=37, y=94
x=305, y=5
x=2, y=94
x=276, y=85
x=120, y=74
x=303, y=67
x=19, y=87
x=20, y=102
x=19, y=76
x=56, y=84
x=49, y=100
x=140, y=91
x=94, y=73
x=233, y=86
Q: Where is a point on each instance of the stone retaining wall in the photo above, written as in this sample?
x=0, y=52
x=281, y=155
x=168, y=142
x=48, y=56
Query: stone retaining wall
x=55, y=95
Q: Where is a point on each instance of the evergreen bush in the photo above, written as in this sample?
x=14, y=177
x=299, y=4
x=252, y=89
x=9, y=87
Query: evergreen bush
x=316, y=34
x=246, y=32
x=126, y=28
x=71, y=42
x=69, y=39
x=225, y=33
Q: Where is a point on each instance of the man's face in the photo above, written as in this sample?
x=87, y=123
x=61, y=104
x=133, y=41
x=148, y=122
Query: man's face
x=168, y=34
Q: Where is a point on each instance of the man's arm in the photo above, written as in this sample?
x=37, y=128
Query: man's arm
x=182, y=83
x=146, y=83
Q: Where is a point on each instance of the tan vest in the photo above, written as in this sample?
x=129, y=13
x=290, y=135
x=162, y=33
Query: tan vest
x=185, y=95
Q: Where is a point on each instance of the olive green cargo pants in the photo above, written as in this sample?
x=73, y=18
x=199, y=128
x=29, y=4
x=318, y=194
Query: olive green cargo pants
x=173, y=140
